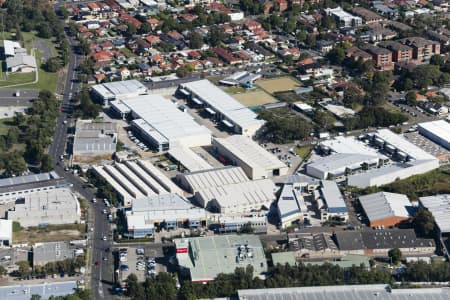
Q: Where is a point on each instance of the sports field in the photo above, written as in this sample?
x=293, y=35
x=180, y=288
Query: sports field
x=255, y=98
x=280, y=84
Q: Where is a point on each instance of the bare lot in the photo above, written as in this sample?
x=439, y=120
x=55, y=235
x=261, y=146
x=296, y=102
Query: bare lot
x=280, y=84
x=50, y=233
x=255, y=98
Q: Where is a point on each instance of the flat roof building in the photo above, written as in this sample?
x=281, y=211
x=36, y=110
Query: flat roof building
x=228, y=191
x=256, y=161
x=439, y=206
x=94, y=139
x=5, y=232
x=56, y=206
x=339, y=292
x=161, y=123
x=222, y=106
x=343, y=18
x=45, y=290
x=53, y=251
x=386, y=209
x=437, y=131
x=110, y=91
x=169, y=211
x=203, y=258
x=136, y=179
x=190, y=160
x=335, y=204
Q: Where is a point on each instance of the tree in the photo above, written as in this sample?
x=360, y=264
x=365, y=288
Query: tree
x=336, y=55
x=424, y=223
x=411, y=98
x=24, y=268
x=395, y=255
x=145, y=28
x=46, y=163
x=195, y=40
x=18, y=119
x=131, y=29
x=310, y=40
x=324, y=119
x=44, y=31
x=134, y=289
x=36, y=297
x=183, y=71
x=437, y=60
x=216, y=36
x=53, y=64
x=15, y=163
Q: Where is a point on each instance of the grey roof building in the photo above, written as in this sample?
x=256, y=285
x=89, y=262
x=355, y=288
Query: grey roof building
x=45, y=290
x=52, y=251
x=362, y=292
x=94, y=139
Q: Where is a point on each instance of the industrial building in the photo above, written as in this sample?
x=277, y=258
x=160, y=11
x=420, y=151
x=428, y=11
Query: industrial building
x=228, y=191
x=291, y=205
x=54, y=251
x=168, y=211
x=334, y=201
x=234, y=224
x=222, y=107
x=110, y=91
x=55, y=206
x=256, y=161
x=437, y=131
x=439, y=206
x=160, y=123
x=5, y=233
x=340, y=292
x=136, y=179
x=93, y=139
x=386, y=209
x=363, y=166
x=240, y=78
x=203, y=258
x=188, y=159
x=45, y=290
x=379, y=242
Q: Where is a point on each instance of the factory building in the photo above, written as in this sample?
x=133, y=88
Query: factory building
x=334, y=201
x=201, y=259
x=136, y=179
x=94, y=139
x=437, y=131
x=111, y=91
x=439, y=206
x=386, y=209
x=55, y=206
x=222, y=107
x=228, y=191
x=188, y=159
x=160, y=123
x=256, y=161
x=291, y=205
x=168, y=211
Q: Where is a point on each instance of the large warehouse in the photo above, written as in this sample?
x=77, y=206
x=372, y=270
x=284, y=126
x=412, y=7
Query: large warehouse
x=94, y=139
x=228, y=191
x=110, y=91
x=386, y=209
x=187, y=158
x=55, y=206
x=136, y=179
x=203, y=258
x=168, y=211
x=439, y=206
x=437, y=131
x=222, y=107
x=161, y=123
x=256, y=161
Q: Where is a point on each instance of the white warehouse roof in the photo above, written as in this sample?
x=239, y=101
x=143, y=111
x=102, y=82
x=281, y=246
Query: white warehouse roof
x=250, y=152
x=119, y=89
x=440, y=129
x=384, y=205
x=400, y=143
x=439, y=206
x=224, y=103
x=342, y=144
x=333, y=197
x=164, y=118
x=189, y=159
x=10, y=47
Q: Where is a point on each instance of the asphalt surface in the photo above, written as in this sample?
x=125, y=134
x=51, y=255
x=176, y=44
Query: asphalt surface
x=101, y=274
x=8, y=98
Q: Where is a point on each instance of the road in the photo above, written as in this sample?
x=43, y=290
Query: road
x=101, y=275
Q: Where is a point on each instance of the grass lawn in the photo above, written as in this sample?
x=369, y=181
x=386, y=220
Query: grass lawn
x=304, y=151
x=235, y=90
x=17, y=78
x=255, y=98
x=4, y=125
x=280, y=84
x=127, y=52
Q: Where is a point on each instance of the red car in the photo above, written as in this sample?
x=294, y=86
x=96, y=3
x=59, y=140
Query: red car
x=97, y=263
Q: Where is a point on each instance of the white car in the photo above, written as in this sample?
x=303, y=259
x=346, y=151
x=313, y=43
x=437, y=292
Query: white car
x=104, y=238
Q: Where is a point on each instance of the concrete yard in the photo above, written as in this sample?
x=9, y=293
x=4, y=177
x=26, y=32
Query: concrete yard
x=280, y=84
x=255, y=98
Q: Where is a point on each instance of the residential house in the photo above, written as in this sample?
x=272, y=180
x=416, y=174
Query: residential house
x=282, y=5
x=153, y=40
x=143, y=47
x=153, y=22
x=226, y=56
x=357, y=54
x=124, y=73
x=252, y=25
x=324, y=46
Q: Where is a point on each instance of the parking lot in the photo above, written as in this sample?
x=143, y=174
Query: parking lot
x=426, y=144
x=141, y=261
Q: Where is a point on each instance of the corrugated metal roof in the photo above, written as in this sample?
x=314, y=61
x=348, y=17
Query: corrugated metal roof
x=439, y=206
x=383, y=205
x=439, y=128
x=189, y=159
x=333, y=197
